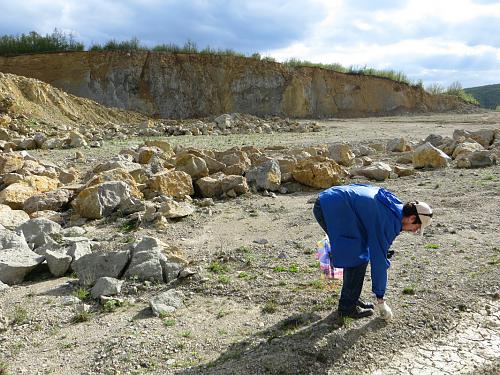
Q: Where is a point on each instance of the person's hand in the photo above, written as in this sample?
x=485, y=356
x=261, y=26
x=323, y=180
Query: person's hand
x=383, y=309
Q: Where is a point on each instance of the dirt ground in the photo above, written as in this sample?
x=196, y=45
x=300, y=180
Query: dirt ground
x=258, y=304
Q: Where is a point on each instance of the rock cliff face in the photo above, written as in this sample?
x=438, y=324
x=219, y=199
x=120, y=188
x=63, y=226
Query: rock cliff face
x=193, y=85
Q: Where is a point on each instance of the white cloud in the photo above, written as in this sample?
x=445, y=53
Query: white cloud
x=444, y=39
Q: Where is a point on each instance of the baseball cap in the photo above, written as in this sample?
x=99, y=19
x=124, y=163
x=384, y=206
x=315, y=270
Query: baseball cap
x=424, y=212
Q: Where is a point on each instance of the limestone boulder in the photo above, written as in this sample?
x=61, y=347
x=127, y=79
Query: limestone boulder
x=477, y=159
x=173, y=183
x=11, y=219
x=237, y=162
x=166, y=302
x=55, y=200
x=173, y=210
x=403, y=171
x=428, y=156
x=465, y=148
x=77, y=139
x=162, y=145
x=484, y=137
x=145, y=154
x=89, y=268
x=16, y=258
x=78, y=249
x=103, y=199
x=210, y=186
x=193, y=165
x=145, y=265
x=53, y=143
x=36, y=231
x=266, y=176
x=398, y=145
x=106, y=286
x=117, y=174
x=16, y=194
x=378, y=171
x=342, y=154
x=319, y=172
x=435, y=139
x=234, y=184
x=58, y=262
x=10, y=162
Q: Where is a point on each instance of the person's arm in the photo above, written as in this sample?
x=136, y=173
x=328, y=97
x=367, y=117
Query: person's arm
x=379, y=265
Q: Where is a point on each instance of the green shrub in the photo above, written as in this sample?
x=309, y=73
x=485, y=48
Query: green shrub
x=36, y=43
x=81, y=316
x=270, y=307
x=20, y=315
x=82, y=293
x=169, y=322
x=409, y=290
x=217, y=267
x=4, y=370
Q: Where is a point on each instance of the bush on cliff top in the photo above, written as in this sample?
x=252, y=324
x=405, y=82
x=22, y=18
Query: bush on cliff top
x=36, y=43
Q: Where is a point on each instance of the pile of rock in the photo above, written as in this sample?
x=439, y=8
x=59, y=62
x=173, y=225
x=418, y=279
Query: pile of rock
x=41, y=240
x=17, y=133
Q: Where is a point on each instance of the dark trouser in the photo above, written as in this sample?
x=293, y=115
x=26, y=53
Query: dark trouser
x=353, y=277
x=351, y=287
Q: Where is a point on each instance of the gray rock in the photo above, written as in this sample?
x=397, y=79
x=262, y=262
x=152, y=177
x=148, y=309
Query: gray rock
x=11, y=219
x=266, y=176
x=106, y=286
x=35, y=231
x=92, y=266
x=49, y=246
x=145, y=265
x=4, y=323
x=103, y=199
x=70, y=300
x=78, y=249
x=477, y=159
x=58, y=262
x=16, y=258
x=397, y=145
x=166, y=302
x=3, y=287
x=73, y=232
x=148, y=242
x=171, y=270
x=435, y=139
x=55, y=200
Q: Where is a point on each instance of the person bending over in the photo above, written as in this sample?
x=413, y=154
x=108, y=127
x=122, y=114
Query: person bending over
x=361, y=222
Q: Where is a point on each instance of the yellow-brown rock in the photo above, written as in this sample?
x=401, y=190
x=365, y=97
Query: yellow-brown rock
x=41, y=184
x=14, y=195
x=10, y=162
x=162, y=145
x=5, y=120
x=319, y=172
x=145, y=154
x=117, y=174
x=428, y=156
x=193, y=165
x=173, y=183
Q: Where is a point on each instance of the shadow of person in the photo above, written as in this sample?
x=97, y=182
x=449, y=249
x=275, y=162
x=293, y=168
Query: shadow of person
x=300, y=344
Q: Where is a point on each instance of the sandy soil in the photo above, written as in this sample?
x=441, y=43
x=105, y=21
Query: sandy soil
x=267, y=311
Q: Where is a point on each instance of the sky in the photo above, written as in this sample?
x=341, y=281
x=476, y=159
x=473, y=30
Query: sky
x=435, y=41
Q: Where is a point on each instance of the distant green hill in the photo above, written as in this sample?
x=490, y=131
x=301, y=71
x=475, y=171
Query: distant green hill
x=488, y=96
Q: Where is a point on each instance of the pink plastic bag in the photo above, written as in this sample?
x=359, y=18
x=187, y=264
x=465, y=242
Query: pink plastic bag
x=323, y=250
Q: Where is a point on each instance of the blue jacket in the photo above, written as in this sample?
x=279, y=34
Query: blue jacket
x=362, y=223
